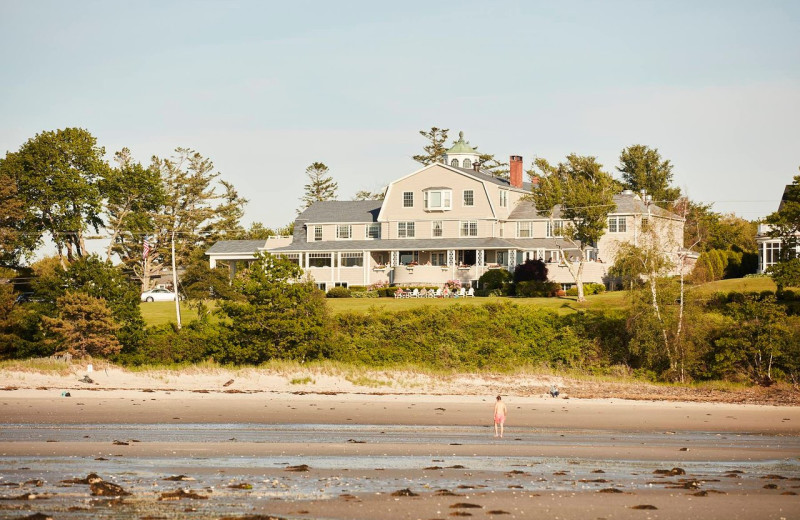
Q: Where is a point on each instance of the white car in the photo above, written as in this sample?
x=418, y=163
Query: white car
x=158, y=295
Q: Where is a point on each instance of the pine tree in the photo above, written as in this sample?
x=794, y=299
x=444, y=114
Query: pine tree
x=84, y=326
x=642, y=168
x=434, y=152
x=321, y=185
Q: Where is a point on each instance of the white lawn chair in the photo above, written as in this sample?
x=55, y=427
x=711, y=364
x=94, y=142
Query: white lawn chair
x=471, y=292
x=415, y=293
x=399, y=293
x=431, y=293
x=439, y=292
x=462, y=292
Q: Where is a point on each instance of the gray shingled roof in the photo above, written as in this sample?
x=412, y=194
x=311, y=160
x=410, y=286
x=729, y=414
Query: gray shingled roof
x=426, y=244
x=627, y=204
x=344, y=211
x=236, y=246
x=483, y=176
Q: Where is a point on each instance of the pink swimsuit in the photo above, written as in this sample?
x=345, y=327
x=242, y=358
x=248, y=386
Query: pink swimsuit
x=499, y=418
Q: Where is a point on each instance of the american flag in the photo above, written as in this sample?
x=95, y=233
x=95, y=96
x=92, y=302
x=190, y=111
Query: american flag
x=145, y=248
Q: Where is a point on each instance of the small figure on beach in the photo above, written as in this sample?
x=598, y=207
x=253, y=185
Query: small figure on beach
x=553, y=390
x=500, y=412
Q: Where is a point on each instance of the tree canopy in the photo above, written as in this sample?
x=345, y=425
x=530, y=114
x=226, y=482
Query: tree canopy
x=584, y=195
x=786, y=221
x=435, y=149
x=642, y=168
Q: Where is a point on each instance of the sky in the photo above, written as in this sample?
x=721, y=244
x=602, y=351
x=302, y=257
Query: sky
x=266, y=88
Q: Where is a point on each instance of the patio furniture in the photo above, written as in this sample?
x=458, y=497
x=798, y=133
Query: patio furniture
x=415, y=293
x=439, y=292
x=471, y=292
x=462, y=292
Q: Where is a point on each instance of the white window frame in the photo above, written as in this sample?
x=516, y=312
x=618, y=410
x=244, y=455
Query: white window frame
x=406, y=227
x=445, y=198
x=434, y=229
x=316, y=233
x=555, y=228
x=521, y=227
x=467, y=164
x=614, y=224
x=344, y=236
x=352, y=254
x=503, y=198
x=468, y=228
x=408, y=199
x=329, y=256
x=471, y=198
x=373, y=225
x=454, y=162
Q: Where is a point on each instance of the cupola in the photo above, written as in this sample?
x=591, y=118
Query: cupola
x=461, y=154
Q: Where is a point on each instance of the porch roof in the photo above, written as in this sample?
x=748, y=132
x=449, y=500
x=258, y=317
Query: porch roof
x=429, y=244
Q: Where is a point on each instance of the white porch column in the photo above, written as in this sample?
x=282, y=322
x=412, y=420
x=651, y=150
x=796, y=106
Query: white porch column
x=512, y=259
x=365, y=261
x=212, y=262
x=763, y=256
x=335, y=265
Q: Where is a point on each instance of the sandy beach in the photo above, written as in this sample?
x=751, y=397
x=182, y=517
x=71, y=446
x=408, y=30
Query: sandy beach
x=236, y=436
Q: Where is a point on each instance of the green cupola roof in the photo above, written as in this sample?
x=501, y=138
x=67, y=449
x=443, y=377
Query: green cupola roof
x=461, y=146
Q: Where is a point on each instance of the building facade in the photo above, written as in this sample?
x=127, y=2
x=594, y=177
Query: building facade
x=769, y=247
x=450, y=222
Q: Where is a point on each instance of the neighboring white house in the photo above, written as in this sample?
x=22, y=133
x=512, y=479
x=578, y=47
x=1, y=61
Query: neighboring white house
x=445, y=222
x=769, y=248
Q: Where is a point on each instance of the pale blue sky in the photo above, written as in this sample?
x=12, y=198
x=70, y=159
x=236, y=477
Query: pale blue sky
x=266, y=88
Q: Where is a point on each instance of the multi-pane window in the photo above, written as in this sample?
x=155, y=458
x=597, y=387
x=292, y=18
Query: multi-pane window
x=352, y=259
x=317, y=233
x=374, y=230
x=405, y=230
x=438, y=258
x=469, y=228
x=408, y=199
x=438, y=199
x=437, y=228
x=454, y=162
x=525, y=229
x=320, y=259
x=772, y=253
x=292, y=257
x=503, y=198
x=467, y=164
x=617, y=224
x=344, y=231
x=555, y=228
x=408, y=257
x=469, y=198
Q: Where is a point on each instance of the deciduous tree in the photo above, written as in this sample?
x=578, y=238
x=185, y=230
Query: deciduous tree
x=57, y=174
x=583, y=194
x=642, y=168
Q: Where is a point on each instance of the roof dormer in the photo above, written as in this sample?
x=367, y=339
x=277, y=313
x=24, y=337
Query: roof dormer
x=461, y=154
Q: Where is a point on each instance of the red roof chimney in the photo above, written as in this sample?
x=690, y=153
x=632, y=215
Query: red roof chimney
x=516, y=171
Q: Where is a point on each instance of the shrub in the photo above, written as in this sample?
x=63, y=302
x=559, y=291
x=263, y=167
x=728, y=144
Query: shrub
x=339, y=292
x=536, y=289
x=357, y=289
x=364, y=294
x=531, y=270
x=495, y=279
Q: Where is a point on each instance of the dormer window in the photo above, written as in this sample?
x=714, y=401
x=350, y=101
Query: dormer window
x=438, y=199
x=454, y=162
x=467, y=164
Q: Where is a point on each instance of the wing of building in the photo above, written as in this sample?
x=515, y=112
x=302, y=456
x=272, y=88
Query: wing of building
x=447, y=221
x=769, y=247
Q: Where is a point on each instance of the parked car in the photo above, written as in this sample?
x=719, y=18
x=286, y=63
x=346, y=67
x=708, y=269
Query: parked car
x=158, y=295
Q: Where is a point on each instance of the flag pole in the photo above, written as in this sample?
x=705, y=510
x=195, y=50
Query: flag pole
x=175, y=284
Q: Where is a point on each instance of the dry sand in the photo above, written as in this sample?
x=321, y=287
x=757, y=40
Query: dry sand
x=630, y=430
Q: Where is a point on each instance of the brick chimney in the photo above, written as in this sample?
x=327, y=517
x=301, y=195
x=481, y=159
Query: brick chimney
x=516, y=171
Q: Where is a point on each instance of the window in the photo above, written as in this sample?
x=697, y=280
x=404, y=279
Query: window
x=408, y=199
x=405, y=230
x=374, y=230
x=469, y=228
x=438, y=258
x=292, y=257
x=407, y=257
x=555, y=228
x=772, y=252
x=319, y=260
x=344, y=231
x=469, y=198
x=438, y=199
x=525, y=229
x=503, y=198
x=352, y=259
x=617, y=225
x=454, y=162
x=437, y=228
x=467, y=164
x=317, y=233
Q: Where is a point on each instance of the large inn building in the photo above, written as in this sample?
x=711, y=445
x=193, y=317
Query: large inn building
x=443, y=222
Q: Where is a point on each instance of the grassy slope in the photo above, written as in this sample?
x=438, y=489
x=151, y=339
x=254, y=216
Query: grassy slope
x=158, y=313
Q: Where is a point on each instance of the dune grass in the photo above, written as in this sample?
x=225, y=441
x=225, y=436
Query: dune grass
x=37, y=365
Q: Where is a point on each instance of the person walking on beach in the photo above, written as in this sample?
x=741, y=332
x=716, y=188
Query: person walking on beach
x=500, y=412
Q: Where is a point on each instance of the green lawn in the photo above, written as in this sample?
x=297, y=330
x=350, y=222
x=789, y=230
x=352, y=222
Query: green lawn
x=159, y=313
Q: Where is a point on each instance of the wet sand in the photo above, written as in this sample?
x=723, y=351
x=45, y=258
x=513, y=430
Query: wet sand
x=558, y=455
